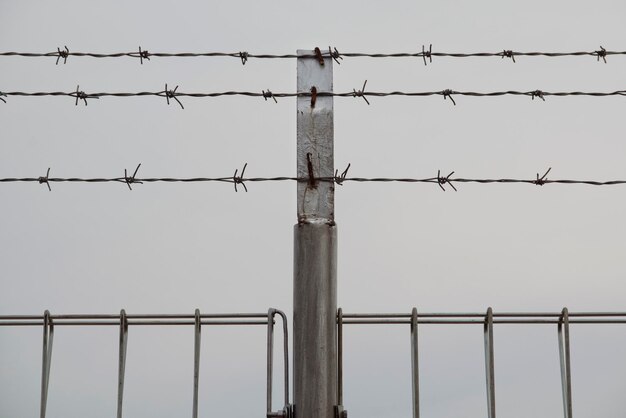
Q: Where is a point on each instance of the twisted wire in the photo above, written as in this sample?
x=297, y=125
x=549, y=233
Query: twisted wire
x=168, y=94
x=331, y=52
x=339, y=179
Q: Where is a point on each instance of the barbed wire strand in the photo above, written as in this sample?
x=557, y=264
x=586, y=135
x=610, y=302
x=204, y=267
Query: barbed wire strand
x=339, y=179
x=267, y=94
x=333, y=53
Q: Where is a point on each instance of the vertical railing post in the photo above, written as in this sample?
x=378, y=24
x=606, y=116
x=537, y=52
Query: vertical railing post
x=46, y=360
x=564, y=357
x=270, y=359
x=121, y=370
x=315, y=238
x=196, y=360
x=415, y=376
x=489, y=364
x=340, y=356
x=286, y=411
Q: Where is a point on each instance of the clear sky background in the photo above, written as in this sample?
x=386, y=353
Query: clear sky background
x=175, y=247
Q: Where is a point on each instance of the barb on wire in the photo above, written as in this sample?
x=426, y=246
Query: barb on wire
x=537, y=93
x=132, y=179
x=171, y=94
x=543, y=179
x=448, y=94
x=81, y=95
x=43, y=180
x=508, y=54
x=62, y=54
x=427, y=54
x=240, y=179
x=143, y=55
x=244, y=57
x=339, y=179
x=361, y=93
x=3, y=95
x=269, y=95
x=445, y=180
x=335, y=55
x=601, y=54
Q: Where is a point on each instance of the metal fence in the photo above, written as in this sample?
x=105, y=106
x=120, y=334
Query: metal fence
x=414, y=319
x=319, y=266
x=562, y=320
x=124, y=321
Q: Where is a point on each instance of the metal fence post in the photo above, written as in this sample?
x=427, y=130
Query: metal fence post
x=315, y=251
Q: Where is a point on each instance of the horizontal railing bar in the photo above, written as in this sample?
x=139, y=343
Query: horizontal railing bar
x=349, y=322
x=130, y=322
x=482, y=315
x=134, y=316
x=384, y=321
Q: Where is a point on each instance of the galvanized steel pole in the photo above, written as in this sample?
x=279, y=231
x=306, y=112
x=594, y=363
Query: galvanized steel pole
x=315, y=246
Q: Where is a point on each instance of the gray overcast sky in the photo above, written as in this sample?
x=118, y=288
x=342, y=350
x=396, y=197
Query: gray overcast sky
x=174, y=248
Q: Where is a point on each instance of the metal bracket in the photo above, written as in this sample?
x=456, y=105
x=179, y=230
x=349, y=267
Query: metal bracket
x=340, y=412
x=286, y=412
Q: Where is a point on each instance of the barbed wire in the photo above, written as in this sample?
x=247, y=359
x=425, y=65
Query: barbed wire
x=168, y=94
x=426, y=54
x=339, y=179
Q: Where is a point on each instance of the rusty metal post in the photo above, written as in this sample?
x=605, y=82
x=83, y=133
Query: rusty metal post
x=315, y=250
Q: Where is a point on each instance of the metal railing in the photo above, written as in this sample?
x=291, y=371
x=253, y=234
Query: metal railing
x=124, y=320
x=562, y=320
x=414, y=319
